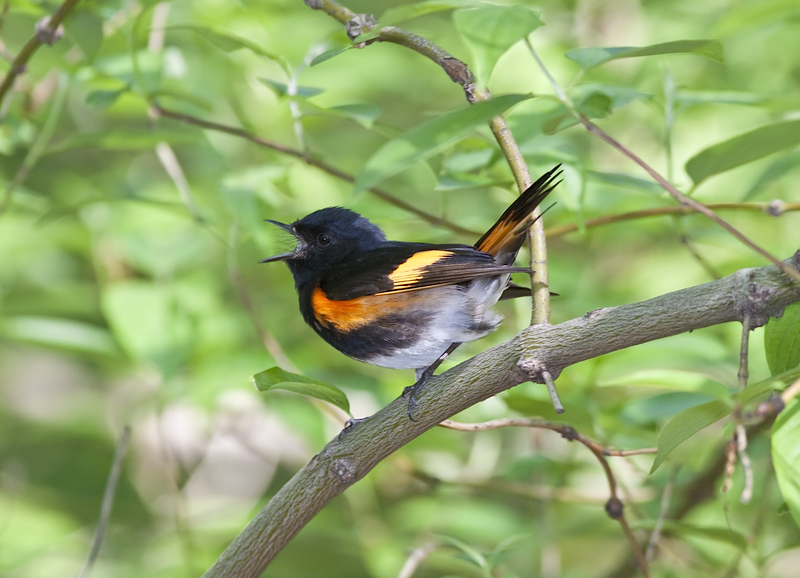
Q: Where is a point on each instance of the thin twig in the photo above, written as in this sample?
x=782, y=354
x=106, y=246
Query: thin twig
x=270, y=343
x=666, y=185
x=614, y=506
x=331, y=170
x=560, y=230
x=39, y=143
x=566, y=431
x=551, y=389
x=415, y=559
x=45, y=34
x=173, y=168
x=688, y=201
x=662, y=516
x=744, y=459
x=108, y=501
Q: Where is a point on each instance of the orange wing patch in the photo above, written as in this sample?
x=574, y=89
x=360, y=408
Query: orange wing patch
x=410, y=271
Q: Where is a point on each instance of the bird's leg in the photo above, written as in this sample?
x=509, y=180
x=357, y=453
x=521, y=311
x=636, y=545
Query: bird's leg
x=423, y=375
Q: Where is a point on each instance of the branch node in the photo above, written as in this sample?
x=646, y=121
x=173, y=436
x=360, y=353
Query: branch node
x=614, y=508
x=458, y=71
x=776, y=208
x=359, y=24
x=47, y=35
x=753, y=301
x=773, y=406
x=594, y=313
x=535, y=371
x=568, y=433
x=345, y=471
x=313, y=4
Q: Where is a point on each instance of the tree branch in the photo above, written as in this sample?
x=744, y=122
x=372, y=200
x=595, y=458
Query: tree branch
x=760, y=292
x=47, y=32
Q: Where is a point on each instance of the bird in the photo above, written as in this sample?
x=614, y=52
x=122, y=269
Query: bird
x=405, y=305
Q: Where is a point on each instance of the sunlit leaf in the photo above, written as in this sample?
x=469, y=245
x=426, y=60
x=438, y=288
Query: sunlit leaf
x=328, y=54
x=60, y=333
x=686, y=424
x=743, y=149
x=786, y=456
x=782, y=340
x=491, y=30
x=277, y=378
x=429, y=138
x=594, y=56
x=282, y=89
x=363, y=113
x=230, y=42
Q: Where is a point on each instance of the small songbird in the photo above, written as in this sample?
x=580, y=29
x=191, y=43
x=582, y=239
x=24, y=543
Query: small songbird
x=404, y=305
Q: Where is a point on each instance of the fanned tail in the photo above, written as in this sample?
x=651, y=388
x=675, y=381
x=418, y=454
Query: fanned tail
x=504, y=239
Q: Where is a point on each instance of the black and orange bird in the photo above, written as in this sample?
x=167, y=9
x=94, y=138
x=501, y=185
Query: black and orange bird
x=404, y=305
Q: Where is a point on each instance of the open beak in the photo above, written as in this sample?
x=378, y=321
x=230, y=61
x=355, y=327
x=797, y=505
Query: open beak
x=282, y=256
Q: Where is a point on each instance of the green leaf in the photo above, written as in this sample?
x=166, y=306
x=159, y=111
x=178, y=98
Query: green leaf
x=477, y=558
x=777, y=169
x=786, y=456
x=229, y=42
x=363, y=113
x=124, y=140
x=149, y=323
x=686, y=424
x=86, y=30
x=200, y=103
x=282, y=89
x=590, y=57
x=724, y=535
x=328, y=54
x=101, y=99
x=60, y=333
x=430, y=138
x=277, y=378
x=491, y=30
x=625, y=181
x=401, y=13
x=782, y=340
x=743, y=149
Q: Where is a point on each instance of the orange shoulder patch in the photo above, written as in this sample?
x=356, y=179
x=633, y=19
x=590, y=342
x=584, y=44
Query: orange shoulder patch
x=343, y=315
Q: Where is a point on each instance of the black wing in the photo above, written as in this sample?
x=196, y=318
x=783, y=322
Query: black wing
x=401, y=267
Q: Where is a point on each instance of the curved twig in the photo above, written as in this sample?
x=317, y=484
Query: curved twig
x=309, y=160
x=46, y=33
x=767, y=208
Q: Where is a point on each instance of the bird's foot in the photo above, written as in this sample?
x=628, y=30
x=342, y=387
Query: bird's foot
x=412, y=391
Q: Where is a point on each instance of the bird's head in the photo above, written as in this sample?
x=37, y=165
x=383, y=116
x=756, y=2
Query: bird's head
x=324, y=239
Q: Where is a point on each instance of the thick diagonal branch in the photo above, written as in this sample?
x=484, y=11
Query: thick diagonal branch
x=759, y=293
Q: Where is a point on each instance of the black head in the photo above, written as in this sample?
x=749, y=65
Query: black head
x=324, y=239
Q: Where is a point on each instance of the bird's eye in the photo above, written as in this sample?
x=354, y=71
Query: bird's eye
x=324, y=239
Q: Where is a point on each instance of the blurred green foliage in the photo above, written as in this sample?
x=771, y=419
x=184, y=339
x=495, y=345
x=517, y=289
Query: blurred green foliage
x=130, y=289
